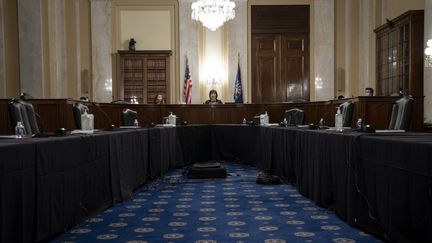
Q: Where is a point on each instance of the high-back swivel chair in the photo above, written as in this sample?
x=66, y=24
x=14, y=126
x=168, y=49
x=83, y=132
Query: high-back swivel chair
x=294, y=117
x=79, y=109
x=347, y=109
x=22, y=111
x=128, y=117
x=401, y=114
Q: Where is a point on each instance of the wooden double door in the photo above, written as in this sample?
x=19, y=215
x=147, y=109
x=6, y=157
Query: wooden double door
x=280, y=65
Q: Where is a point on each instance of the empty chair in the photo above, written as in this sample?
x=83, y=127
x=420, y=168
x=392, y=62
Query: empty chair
x=128, y=117
x=401, y=114
x=22, y=111
x=78, y=110
x=347, y=109
x=294, y=117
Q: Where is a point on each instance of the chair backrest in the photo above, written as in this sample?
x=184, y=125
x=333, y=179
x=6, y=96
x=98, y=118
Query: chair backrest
x=128, y=117
x=401, y=114
x=347, y=109
x=297, y=100
x=79, y=109
x=294, y=117
x=120, y=102
x=22, y=111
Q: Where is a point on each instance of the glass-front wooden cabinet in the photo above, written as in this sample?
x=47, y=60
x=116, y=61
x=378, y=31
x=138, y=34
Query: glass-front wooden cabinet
x=399, y=57
x=143, y=75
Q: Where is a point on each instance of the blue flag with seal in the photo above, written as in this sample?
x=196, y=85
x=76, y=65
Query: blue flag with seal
x=238, y=91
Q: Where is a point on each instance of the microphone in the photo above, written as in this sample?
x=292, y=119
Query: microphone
x=40, y=134
x=31, y=111
x=369, y=127
x=321, y=123
x=111, y=126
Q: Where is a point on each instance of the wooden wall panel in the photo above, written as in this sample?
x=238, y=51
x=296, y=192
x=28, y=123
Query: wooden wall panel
x=56, y=113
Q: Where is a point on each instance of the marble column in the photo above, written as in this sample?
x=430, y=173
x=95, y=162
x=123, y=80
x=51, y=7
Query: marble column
x=366, y=46
x=2, y=56
x=324, y=55
x=57, y=49
x=101, y=50
x=30, y=49
x=189, y=39
x=427, y=83
x=237, y=44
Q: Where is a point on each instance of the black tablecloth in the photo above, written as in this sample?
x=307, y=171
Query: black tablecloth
x=72, y=181
x=396, y=180
x=380, y=182
x=195, y=142
x=165, y=150
x=129, y=161
x=17, y=190
x=242, y=144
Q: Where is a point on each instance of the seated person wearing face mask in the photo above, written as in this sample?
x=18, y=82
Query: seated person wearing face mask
x=213, y=98
x=368, y=91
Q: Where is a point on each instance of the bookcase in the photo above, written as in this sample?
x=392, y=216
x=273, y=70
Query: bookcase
x=143, y=75
x=399, y=57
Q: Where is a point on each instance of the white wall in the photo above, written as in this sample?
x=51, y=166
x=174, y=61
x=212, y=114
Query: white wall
x=151, y=29
x=189, y=47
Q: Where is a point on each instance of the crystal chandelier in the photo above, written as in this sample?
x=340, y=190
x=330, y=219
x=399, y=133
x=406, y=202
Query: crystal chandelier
x=213, y=13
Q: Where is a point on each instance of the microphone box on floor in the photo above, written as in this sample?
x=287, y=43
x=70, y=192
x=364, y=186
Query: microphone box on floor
x=206, y=171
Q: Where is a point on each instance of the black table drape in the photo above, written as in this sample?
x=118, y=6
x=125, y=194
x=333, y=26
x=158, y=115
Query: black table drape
x=396, y=179
x=379, y=182
x=17, y=190
x=129, y=161
x=72, y=181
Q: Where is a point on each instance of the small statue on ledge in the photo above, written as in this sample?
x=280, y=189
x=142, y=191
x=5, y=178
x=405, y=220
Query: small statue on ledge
x=132, y=43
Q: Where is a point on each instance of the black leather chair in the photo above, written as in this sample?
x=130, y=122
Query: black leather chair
x=401, y=114
x=22, y=111
x=294, y=117
x=25, y=96
x=128, y=117
x=78, y=110
x=347, y=109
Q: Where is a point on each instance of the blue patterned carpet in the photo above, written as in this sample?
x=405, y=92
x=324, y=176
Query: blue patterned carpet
x=236, y=209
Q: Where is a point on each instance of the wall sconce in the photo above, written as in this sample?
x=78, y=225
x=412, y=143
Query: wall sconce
x=428, y=54
x=213, y=82
x=318, y=83
x=134, y=99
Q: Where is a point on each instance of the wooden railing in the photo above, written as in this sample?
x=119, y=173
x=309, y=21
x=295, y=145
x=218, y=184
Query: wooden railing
x=56, y=113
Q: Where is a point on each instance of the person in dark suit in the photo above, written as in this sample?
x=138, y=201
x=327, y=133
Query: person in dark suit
x=213, y=98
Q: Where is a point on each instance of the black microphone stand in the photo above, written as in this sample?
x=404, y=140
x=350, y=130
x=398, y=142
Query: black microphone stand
x=110, y=127
x=42, y=133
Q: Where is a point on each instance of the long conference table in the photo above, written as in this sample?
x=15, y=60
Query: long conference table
x=381, y=183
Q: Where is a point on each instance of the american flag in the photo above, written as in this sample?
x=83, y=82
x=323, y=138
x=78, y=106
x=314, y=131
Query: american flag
x=187, y=87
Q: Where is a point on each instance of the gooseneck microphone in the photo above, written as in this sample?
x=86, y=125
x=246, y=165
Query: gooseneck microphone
x=369, y=128
x=41, y=133
x=111, y=126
